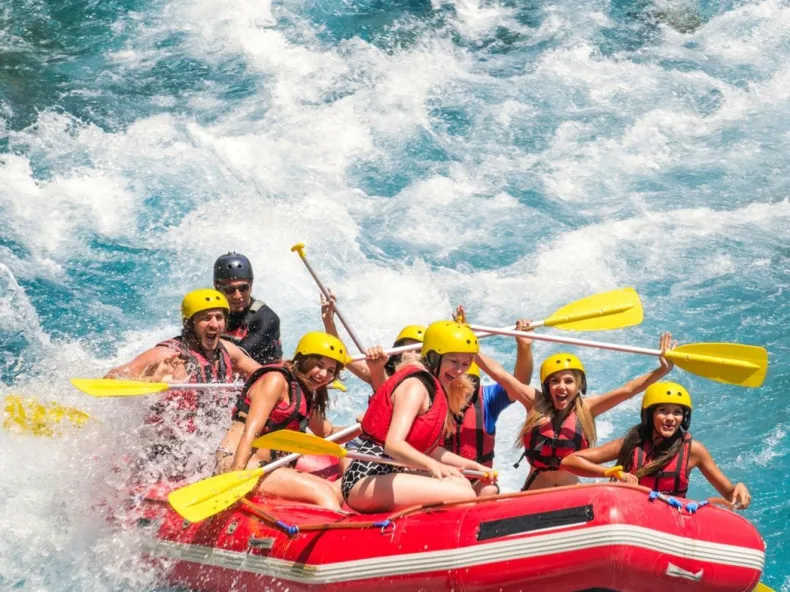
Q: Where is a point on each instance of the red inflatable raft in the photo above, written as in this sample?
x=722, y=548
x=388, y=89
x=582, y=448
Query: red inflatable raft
x=594, y=536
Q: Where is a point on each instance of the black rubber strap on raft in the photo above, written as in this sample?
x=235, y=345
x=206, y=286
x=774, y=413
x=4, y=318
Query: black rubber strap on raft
x=529, y=522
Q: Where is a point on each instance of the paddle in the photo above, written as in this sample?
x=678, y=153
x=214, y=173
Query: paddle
x=205, y=498
x=299, y=248
x=606, y=311
x=304, y=443
x=762, y=588
x=111, y=387
x=731, y=363
x=39, y=419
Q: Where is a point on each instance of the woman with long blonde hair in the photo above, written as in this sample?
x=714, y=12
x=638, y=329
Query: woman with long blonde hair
x=560, y=420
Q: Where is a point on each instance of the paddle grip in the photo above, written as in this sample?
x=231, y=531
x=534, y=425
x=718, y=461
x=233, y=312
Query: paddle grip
x=300, y=249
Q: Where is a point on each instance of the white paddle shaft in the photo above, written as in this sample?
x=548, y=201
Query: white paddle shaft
x=415, y=346
x=569, y=340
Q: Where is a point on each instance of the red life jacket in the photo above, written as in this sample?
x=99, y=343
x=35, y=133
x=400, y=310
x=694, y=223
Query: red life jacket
x=673, y=477
x=470, y=439
x=546, y=445
x=187, y=404
x=293, y=414
x=427, y=429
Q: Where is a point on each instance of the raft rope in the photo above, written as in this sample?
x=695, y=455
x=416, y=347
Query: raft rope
x=388, y=525
x=690, y=507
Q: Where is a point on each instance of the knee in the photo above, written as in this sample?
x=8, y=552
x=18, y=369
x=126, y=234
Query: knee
x=487, y=490
x=326, y=496
x=461, y=491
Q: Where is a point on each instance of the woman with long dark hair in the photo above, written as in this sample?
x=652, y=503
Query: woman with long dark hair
x=659, y=452
x=290, y=395
x=559, y=419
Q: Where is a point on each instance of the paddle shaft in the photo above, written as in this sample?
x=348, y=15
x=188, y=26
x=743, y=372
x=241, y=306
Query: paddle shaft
x=395, y=463
x=300, y=249
x=204, y=385
x=293, y=456
x=415, y=346
x=570, y=341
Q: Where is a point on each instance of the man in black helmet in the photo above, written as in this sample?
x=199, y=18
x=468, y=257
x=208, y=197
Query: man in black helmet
x=252, y=325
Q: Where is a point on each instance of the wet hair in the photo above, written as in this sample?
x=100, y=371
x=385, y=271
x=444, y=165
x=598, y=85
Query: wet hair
x=459, y=392
x=299, y=367
x=544, y=410
x=643, y=432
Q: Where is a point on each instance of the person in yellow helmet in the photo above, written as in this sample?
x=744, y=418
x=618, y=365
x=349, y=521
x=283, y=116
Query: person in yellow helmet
x=471, y=432
x=659, y=452
x=377, y=366
x=559, y=420
x=289, y=395
x=405, y=420
x=197, y=355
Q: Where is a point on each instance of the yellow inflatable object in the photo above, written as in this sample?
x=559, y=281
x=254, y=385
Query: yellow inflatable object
x=28, y=416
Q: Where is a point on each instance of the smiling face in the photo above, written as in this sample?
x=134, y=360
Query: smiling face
x=320, y=372
x=667, y=419
x=452, y=366
x=563, y=387
x=209, y=325
x=238, y=292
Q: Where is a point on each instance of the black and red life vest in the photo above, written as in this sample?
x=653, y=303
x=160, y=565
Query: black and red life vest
x=243, y=329
x=470, y=438
x=426, y=431
x=293, y=414
x=673, y=477
x=188, y=403
x=549, y=443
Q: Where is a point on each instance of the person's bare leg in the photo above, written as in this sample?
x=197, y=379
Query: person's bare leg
x=394, y=491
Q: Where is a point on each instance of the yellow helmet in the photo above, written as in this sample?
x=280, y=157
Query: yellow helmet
x=322, y=344
x=204, y=299
x=559, y=362
x=474, y=370
x=666, y=392
x=445, y=337
x=415, y=332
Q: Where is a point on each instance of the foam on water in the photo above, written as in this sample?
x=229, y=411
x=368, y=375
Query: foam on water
x=510, y=157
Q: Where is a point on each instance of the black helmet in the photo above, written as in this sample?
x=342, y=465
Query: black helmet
x=232, y=266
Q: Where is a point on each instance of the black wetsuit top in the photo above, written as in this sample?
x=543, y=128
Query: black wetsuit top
x=257, y=331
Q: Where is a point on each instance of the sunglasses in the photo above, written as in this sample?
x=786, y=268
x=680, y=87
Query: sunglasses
x=243, y=288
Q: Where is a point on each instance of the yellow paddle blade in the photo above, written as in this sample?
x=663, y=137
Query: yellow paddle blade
x=299, y=442
x=110, y=387
x=31, y=417
x=203, y=499
x=599, y=312
x=762, y=588
x=732, y=363
x=337, y=385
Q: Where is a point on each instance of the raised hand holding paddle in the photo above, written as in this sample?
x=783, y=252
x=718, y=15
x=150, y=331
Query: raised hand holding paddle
x=731, y=363
x=607, y=311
